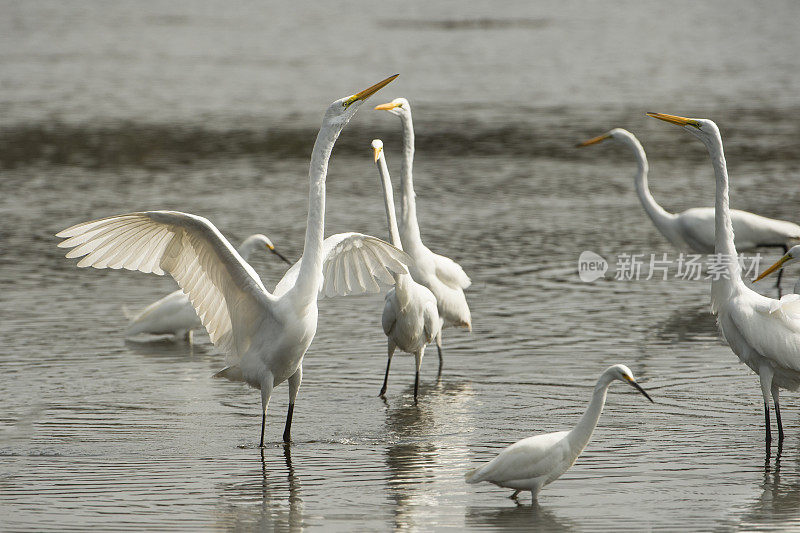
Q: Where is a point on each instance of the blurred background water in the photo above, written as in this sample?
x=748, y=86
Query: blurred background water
x=212, y=108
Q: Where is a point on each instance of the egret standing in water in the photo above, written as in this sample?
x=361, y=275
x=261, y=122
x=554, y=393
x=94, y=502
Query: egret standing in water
x=174, y=315
x=693, y=229
x=766, y=341
x=410, y=318
x=264, y=336
x=443, y=276
x=534, y=462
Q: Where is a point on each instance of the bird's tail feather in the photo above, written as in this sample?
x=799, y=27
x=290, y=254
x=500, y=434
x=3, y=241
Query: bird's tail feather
x=470, y=475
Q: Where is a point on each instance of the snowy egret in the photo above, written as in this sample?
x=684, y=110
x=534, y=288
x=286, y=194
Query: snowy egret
x=693, y=229
x=765, y=340
x=174, y=315
x=536, y=461
x=444, y=277
x=410, y=317
x=264, y=336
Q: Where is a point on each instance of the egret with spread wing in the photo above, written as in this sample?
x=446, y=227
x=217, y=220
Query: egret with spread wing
x=410, y=318
x=532, y=463
x=444, y=277
x=693, y=229
x=174, y=315
x=264, y=336
x=764, y=334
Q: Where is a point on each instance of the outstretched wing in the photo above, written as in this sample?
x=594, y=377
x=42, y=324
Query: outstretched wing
x=225, y=291
x=451, y=272
x=353, y=263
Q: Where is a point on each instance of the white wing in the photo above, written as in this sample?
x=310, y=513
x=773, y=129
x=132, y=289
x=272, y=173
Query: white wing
x=451, y=272
x=353, y=263
x=225, y=291
x=526, y=459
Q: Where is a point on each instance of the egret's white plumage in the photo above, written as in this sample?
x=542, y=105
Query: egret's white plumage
x=410, y=318
x=761, y=331
x=264, y=335
x=693, y=229
x=444, y=277
x=173, y=314
x=787, y=303
x=534, y=462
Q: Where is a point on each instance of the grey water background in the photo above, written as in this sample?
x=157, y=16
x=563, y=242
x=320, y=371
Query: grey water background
x=212, y=108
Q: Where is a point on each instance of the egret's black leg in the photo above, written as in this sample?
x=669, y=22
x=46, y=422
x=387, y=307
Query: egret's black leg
x=386, y=375
x=288, y=429
x=766, y=423
x=263, y=423
x=416, y=385
x=441, y=359
x=514, y=496
x=778, y=418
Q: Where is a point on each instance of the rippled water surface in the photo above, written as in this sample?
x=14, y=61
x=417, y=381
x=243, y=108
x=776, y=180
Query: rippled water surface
x=212, y=109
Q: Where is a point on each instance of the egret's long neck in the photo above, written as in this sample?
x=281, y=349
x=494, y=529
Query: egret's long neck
x=409, y=228
x=660, y=216
x=582, y=432
x=310, y=275
x=400, y=280
x=722, y=286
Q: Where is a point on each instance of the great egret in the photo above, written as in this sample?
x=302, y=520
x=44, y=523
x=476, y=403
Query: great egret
x=443, y=276
x=410, y=317
x=766, y=341
x=173, y=314
x=788, y=301
x=264, y=336
x=693, y=229
x=536, y=461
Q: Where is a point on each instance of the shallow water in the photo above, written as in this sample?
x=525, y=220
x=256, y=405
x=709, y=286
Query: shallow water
x=213, y=111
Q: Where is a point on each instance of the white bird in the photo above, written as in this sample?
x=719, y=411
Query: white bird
x=536, y=461
x=693, y=229
x=174, y=315
x=264, y=336
x=410, y=318
x=792, y=256
x=760, y=331
x=444, y=277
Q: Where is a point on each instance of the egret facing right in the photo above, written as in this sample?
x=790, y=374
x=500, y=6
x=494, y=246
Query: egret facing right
x=532, y=463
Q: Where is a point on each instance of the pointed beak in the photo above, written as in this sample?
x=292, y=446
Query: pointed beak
x=386, y=107
x=675, y=119
x=276, y=252
x=640, y=389
x=369, y=91
x=774, y=267
x=593, y=140
x=377, y=152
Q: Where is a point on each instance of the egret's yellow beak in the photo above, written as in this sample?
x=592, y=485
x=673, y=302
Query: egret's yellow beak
x=774, y=267
x=675, y=119
x=387, y=107
x=369, y=91
x=594, y=140
x=377, y=151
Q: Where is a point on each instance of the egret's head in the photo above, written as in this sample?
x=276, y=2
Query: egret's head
x=617, y=134
x=377, y=147
x=398, y=106
x=623, y=373
x=791, y=256
x=702, y=128
x=259, y=242
x=343, y=109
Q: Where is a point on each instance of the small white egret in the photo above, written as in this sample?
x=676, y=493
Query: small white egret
x=174, y=315
x=444, y=277
x=532, y=463
x=693, y=229
x=264, y=336
x=761, y=331
x=410, y=317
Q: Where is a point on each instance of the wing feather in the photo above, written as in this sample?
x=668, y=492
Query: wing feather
x=224, y=290
x=451, y=272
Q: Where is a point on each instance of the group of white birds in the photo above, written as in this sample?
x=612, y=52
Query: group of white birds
x=266, y=335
